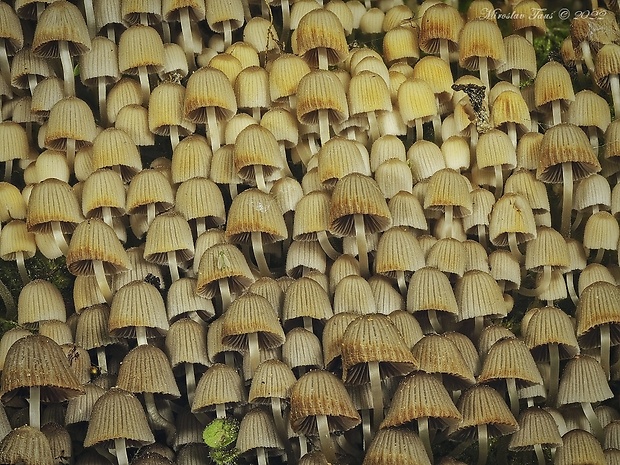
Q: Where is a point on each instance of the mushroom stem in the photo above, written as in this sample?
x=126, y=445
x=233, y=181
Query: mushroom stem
x=373, y=126
x=514, y=246
x=5, y=68
x=159, y=422
x=482, y=235
x=499, y=181
x=150, y=214
x=280, y=424
x=599, y=255
x=188, y=40
x=102, y=281
x=448, y=216
x=286, y=20
x=141, y=335
x=434, y=321
x=102, y=101
x=307, y=322
x=259, y=253
x=220, y=411
x=605, y=348
x=484, y=73
x=515, y=77
x=21, y=266
x=567, y=197
x=424, y=434
x=614, y=84
x=597, y=429
x=190, y=381
x=483, y=444
x=419, y=129
x=173, y=265
x=587, y=56
x=542, y=285
x=174, y=135
x=444, y=51
x=593, y=135
x=260, y=453
x=377, y=393
x=402, y=284
x=70, y=151
x=327, y=445
x=89, y=12
x=224, y=293
x=540, y=456
x=362, y=247
x=554, y=371
x=59, y=237
x=8, y=301
x=34, y=407
x=570, y=286
x=213, y=129
x=254, y=353
x=323, y=126
x=303, y=445
x=102, y=361
x=227, y=30
x=322, y=58
x=259, y=176
x=67, y=68
x=511, y=384
x=556, y=112
x=144, y=85
x=121, y=451
x=366, y=428
x=327, y=246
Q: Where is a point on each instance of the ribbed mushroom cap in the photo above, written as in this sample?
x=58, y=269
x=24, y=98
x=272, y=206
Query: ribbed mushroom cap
x=100, y=63
x=166, y=110
x=220, y=95
x=257, y=430
x=169, y=232
x=598, y=305
x=272, y=378
x=589, y=109
x=14, y=143
x=114, y=148
x=255, y=211
x=511, y=214
x=430, y=289
x=321, y=393
x=606, y=63
x=140, y=46
x=480, y=38
x=10, y=29
x=373, y=338
x=592, y=193
x=394, y=446
x=79, y=409
x=416, y=100
x=447, y=187
x=358, y=194
x=321, y=90
x=580, y=447
x=547, y=248
x=103, y=188
x=251, y=313
x=60, y=21
x=398, y=251
x=136, y=304
x=321, y=29
x=583, y=380
x=149, y=186
x=146, y=369
x=217, y=13
x=223, y=261
x=536, y=426
x=367, y=91
x=552, y=83
x=509, y=358
x=306, y=298
x=601, y=232
x=118, y=414
x=284, y=76
x=353, y=294
x=332, y=337
x=40, y=300
x=182, y=300
x=26, y=445
x=421, y=395
x=523, y=182
x=440, y=21
x=481, y=405
x=70, y=118
x=15, y=240
x=219, y=385
x=407, y=212
x=550, y=325
x=92, y=328
x=38, y=361
x=339, y=157
x=302, y=350
x=95, y=240
x=256, y=145
x=439, y=355
x=400, y=44
x=520, y=56
x=191, y=158
x=14, y=205
x=186, y=342
x=478, y=294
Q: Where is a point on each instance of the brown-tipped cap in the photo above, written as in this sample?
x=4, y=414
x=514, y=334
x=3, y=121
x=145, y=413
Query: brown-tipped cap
x=52, y=200
x=478, y=294
x=223, y=261
x=135, y=304
x=321, y=393
x=220, y=384
x=140, y=46
x=394, y=446
x=321, y=90
x=27, y=445
x=169, y=232
x=40, y=300
x=606, y=63
x=321, y=29
x=449, y=188
x=257, y=146
x=566, y=143
x=482, y=405
x=520, y=56
x=255, y=211
x=38, y=361
x=149, y=186
x=92, y=328
x=224, y=14
x=251, y=313
x=118, y=414
x=509, y=358
x=550, y=325
x=94, y=240
x=480, y=38
x=114, y=148
x=421, y=395
x=511, y=214
x=147, y=369
x=219, y=95
x=60, y=21
x=166, y=110
x=598, y=305
x=358, y=194
x=438, y=354
x=374, y=338
x=440, y=21
x=553, y=83
x=527, y=14
x=103, y=188
x=589, y=109
x=583, y=380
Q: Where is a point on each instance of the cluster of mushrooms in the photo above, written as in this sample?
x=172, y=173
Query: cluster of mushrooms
x=289, y=247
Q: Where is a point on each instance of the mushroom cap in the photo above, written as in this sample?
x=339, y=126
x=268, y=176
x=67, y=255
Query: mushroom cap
x=321, y=29
x=304, y=297
x=118, y=414
x=598, y=305
x=40, y=300
x=60, y=21
x=579, y=447
x=440, y=21
x=321, y=393
x=169, y=232
x=321, y=90
x=255, y=211
x=272, y=379
x=394, y=446
x=511, y=214
x=223, y=261
x=147, y=369
x=140, y=46
x=209, y=87
x=583, y=380
x=38, y=361
x=550, y=325
x=480, y=38
x=220, y=384
x=28, y=445
x=95, y=240
x=536, y=426
x=509, y=358
x=186, y=342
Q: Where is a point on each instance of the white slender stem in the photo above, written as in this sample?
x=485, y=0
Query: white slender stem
x=540, y=456
x=121, y=451
x=327, y=444
x=67, y=68
x=424, y=433
x=173, y=266
x=484, y=73
x=373, y=126
x=322, y=57
x=515, y=77
x=377, y=394
x=150, y=213
x=188, y=39
x=327, y=246
x=483, y=444
x=444, y=51
x=259, y=253
x=323, y=126
x=59, y=237
x=220, y=411
x=227, y=34
x=402, y=284
x=144, y=85
x=213, y=129
x=307, y=322
x=5, y=67
x=513, y=396
x=587, y=56
x=514, y=246
x=34, y=407
x=362, y=247
x=499, y=181
x=106, y=215
x=593, y=134
x=174, y=135
x=224, y=293
x=419, y=129
x=254, y=352
x=144, y=20
x=102, y=281
x=554, y=371
x=260, y=178
x=261, y=456
x=448, y=220
x=21, y=266
x=141, y=335
x=556, y=112
x=286, y=19
x=605, y=348
x=70, y=150
x=157, y=419
x=567, y=197
x=542, y=285
x=102, y=361
x=597, y=429
x=614, y=84
x=102, y=101
x=190, y=381
x=366, y=428
x=434, y=321
x=570, y=286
